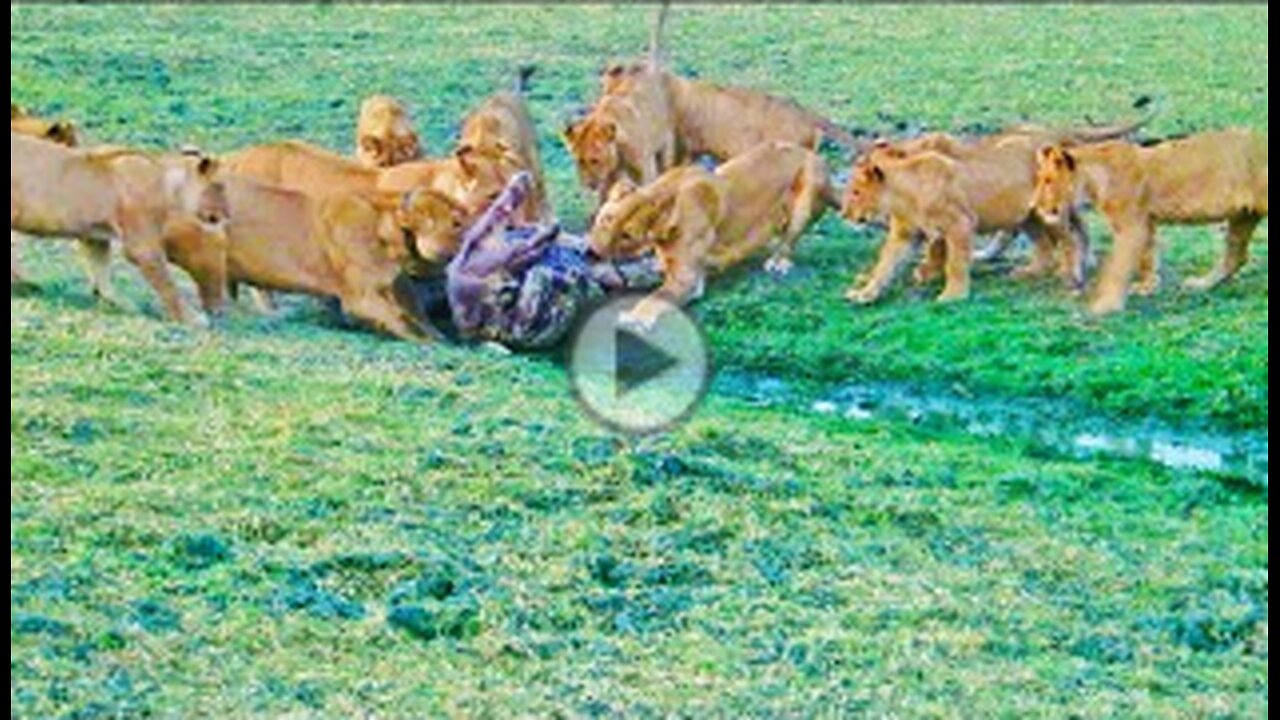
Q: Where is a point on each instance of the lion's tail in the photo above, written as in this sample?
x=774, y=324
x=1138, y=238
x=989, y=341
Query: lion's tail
x=1150, y=110
x=837, y=134
x=524, y=78
x=655, y=39
x=819, y=176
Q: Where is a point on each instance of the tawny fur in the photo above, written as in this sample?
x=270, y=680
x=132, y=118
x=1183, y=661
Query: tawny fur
x=630, y=134
x=444, y=186
x=95, y=255
x=346, y=245
x=699, y=221
x=1209, y=178
x=1003, y=170
x=502, y=130
x=113, y=194
x=384, y=133
x=943, y=199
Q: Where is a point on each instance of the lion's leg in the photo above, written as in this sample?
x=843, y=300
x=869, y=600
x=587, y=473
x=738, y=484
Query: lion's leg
x=667, y=154
x=806, y=206
x=144, y=247
x=95, y=259
x=959, y=244
x=933, y=264
x=741, y=251
x=1045, y=243
x=382, y=314
x=895, y=250
x=1148, y=282
x=649, y=170
x=150, y=260
x=263, y=301
x=1239, y=232
x=1084, y=245
x=684, y=263
x=684, y=282
x=1074, y=254
x=1113, y=286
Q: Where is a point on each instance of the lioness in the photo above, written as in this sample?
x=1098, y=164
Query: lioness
x=1207, y=178
x=630, y=133
x=384, y=133
x=1011, y=152
x=727, y=122
x=502, y=132
x=95, y=256
x=724, y=122
x=718, y=121
x=944, y=200
x=1005, y=163
x=700, y=221
x=345, y=245
x=112, y=193
x=447, y=188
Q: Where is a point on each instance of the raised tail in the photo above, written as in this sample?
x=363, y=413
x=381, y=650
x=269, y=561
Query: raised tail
x=655, y=40
x=524, y=76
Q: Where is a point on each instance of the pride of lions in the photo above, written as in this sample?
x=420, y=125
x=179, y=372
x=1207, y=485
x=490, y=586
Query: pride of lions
x=294, y=218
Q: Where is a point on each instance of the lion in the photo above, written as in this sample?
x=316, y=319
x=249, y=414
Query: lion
x=1206, y=178
x=384, y=133
x=720, y=122
x=1007, y=162
x=944, y=200
x=109, y=194
x=630, y=133
x=700, y=221
x=95, y=256
x=1011, y=151
x=347, y=245
x=501, y=130
x=455, y=186
x=725, y=122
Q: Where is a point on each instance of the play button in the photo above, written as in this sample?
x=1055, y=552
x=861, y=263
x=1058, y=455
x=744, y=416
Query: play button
x=639, y=382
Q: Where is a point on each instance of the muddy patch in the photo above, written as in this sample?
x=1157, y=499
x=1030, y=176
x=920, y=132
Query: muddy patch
x=1054, y=428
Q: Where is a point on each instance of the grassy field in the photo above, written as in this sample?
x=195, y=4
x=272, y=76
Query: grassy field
x=284, y=519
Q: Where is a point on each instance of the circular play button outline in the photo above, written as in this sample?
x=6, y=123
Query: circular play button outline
x=638, y=381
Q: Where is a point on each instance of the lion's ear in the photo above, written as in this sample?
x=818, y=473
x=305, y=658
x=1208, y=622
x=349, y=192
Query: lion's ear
x=63, y=133
x=1069, y=161
x=877, y=173
x=621, y=189
x=207, y=167
x=465, y=155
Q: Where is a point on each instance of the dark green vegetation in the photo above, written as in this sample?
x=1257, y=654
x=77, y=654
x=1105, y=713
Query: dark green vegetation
x=282, y=518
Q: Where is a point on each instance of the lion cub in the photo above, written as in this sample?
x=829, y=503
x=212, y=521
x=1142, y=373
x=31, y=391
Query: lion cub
x=699, y=221
x=1208, y=178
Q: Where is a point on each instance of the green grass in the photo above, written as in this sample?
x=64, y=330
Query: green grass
x=282, y=519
